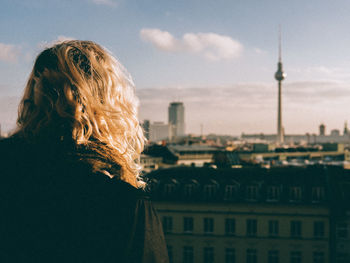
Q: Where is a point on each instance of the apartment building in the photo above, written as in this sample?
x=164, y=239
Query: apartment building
x=244, y=215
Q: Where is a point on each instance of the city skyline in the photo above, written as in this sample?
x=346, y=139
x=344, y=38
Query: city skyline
x=199, y=109
x=219, y=59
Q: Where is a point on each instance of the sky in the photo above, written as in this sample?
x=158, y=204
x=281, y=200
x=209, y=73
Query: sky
x=218, y=57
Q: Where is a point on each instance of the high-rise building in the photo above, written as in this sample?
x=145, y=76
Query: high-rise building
x=279, y=76
x=176, y=119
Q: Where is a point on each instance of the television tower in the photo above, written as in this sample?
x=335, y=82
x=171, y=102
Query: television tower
x=279, y=76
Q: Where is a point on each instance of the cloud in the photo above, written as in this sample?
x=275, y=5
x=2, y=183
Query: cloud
x=60, y=38
x=259, y=51
x=162, y=40
x=324, y=73
x=213, y=46
x=209, y=45
x=110, y=3
x=9, y=53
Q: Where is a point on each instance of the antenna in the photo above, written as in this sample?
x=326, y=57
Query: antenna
x=279, y=44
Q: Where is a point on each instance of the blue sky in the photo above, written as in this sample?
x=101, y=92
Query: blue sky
x=221, y=54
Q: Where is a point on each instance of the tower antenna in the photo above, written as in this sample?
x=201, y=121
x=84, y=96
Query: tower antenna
x=279, y=44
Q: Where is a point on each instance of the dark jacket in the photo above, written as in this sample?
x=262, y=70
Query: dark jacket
x=53, y=208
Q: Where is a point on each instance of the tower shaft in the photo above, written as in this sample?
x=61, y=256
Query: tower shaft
x=280, y=135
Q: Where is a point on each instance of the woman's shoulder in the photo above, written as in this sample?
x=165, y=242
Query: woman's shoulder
x=11, y=149
x=8, y=143
x=125, y=189
x=16, y=144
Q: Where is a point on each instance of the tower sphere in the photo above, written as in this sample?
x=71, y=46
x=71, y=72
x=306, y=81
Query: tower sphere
x=280, y=75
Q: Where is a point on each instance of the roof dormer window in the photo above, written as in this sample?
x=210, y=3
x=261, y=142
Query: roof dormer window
x=273, y=193
x=317, y=194
x=251, y=193
x=230, y=192
x=295, y=194
x=210, y=190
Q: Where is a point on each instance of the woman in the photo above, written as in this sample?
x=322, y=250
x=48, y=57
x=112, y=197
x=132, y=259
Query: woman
x=70, y=184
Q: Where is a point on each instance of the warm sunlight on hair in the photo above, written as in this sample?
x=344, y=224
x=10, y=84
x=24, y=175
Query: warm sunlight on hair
x=77, y=89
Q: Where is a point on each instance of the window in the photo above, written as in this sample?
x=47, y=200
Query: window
x=273, y=193
x=295, y=229
x=208, y=255
x=273, y=228
x=318, y=257
x=230, y=255
x=295, y=194
x=251, y=193
x=188, y=224
x=251, y=227
x=188, y=190
x=251, y=256
x=342, y=230
x=167, y=224
x=188, y=254
x=230, y=192
x=230, y=226
x=208, y=225
x=317, y=194
x=318, y=229
x=170, y=254
x=273, y=256
x=295, y=257
x=209, y=191
x=169, y=189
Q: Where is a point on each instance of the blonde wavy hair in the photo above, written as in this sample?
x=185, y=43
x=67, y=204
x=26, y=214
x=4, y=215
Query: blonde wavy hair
x=80, y=86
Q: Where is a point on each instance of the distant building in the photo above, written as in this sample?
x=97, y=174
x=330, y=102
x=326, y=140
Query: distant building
x=149, y=163
x=322, y=129
x=346, y=130
x=197, y=155
x=162, y=151
x=226, y=159
x=325, y=151
x=336, y=137
x=176, y=115
x=245, y=215
x=335, y=132
x=158, y=131
x=146, y=126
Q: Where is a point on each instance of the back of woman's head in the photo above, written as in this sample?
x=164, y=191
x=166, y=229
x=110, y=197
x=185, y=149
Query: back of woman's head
x=78, y=92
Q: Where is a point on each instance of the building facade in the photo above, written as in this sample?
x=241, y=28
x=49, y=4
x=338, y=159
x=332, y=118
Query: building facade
x=158, y=131
x=197, y=155
x=150, y=163
x=341, y=218
x=244, y=215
